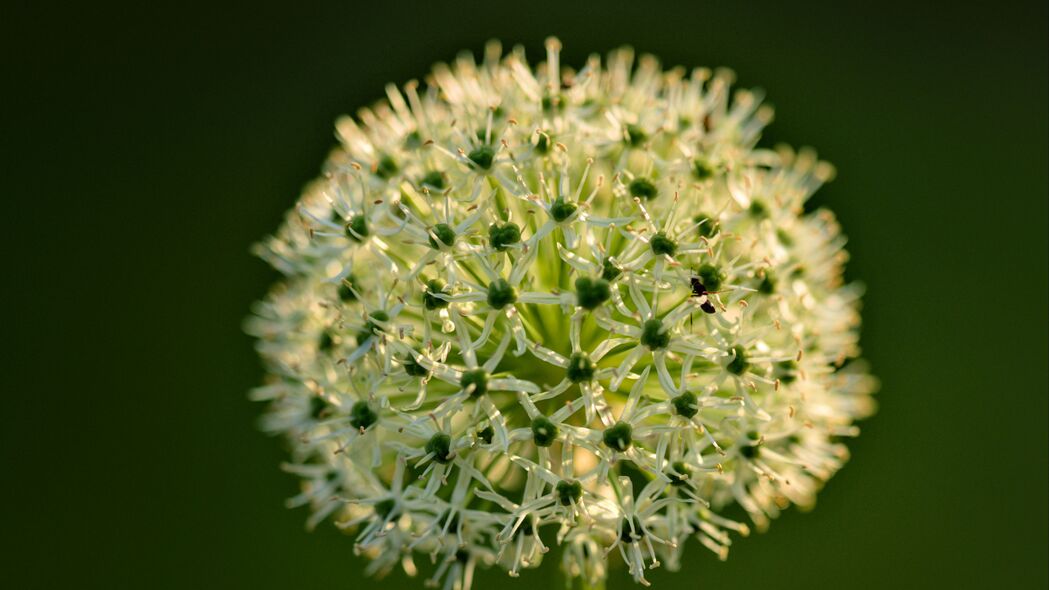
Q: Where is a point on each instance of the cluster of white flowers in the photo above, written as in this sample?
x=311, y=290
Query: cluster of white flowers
x=578, y=305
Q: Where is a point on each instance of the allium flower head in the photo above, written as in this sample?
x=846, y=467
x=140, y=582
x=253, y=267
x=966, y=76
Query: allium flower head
x=526, y=309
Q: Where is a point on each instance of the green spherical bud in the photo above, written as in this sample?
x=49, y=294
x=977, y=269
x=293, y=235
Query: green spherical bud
x=371, y=327
x=502, y=236
x=501, y=293
x=384, y=508
x=628, y=535
x=357, y=228
x=758, y=209
x=591, y=293
x=449, y=519
x=553, y=102
x=431, y=299
x=326, y=341
x=362, y=415
x=543, y=143
x=787, y=371
x=413, y=141
x=568, y=491
x=318, y=406
x=662, y=245
x=386, y=167
x=433, y=180
x=414, y=368
x=475, y=381
x=482, y=157
x=679, y=474
x=609, y=271
x=561, y=210
x=527, y=528
x=347, y=288
x=643, y=188
x=654, y=335
x=486, y=434
x=445, y=233
x=738, y=365
x=767, y=286
x=711, y=277
x=544, y=432
x=686, y=404
x=708, y=226
x=635, y=135
x=618, y=437
x=702, y=170
x=751, y=450
x=580, y=368
x=440, y=446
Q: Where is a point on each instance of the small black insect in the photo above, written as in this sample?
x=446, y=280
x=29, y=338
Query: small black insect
x=698, y=290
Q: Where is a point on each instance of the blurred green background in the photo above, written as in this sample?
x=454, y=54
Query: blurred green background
x=147, y=146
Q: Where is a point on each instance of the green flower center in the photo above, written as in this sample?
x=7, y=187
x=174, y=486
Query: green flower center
x=561, y=210
x=475, y=381
x=482, y=157
x=357, y=228
x=317, y=407
x=502, y=236
x=444, y=233
x=701, y=169
x=628, y=535
x=440, y=445
x=591, y=293
x=663, y=245
x=544, y=432
x=643, y=188
x=362, y=415
x=679, y=473
x=618, y=437
x=371, y=327
x=738, y=365
x=434, y=287
x=413, y=368
x=580, y=368
x=568, y=491
x=787, y=371
x=708, y=226
x=501, y=293
x=635, y=135
x=758, y=209
x=686, y=404
x=767, y=286
x=542, y=143
x=386, y=167
x=346, y=289
x=654, y=335
x=433, y=180
x=711, y=277
x=383, y=508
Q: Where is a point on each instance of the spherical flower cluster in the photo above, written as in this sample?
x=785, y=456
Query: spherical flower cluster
x=526, y=309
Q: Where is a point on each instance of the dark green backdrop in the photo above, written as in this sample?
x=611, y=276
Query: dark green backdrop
x=148, y=147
